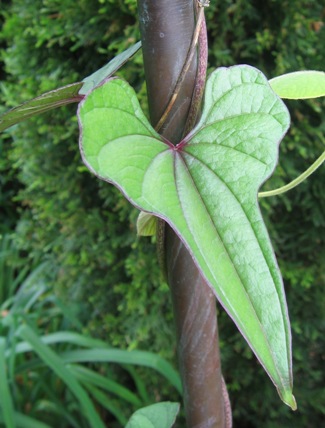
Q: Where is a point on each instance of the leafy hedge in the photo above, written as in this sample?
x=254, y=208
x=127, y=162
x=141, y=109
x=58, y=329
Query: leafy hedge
x=87, y=230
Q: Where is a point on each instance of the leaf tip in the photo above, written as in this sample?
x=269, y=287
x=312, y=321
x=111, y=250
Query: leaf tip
x=288, y=398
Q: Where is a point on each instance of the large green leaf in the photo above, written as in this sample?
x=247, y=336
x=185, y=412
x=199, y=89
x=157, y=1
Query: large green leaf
x=206, y=189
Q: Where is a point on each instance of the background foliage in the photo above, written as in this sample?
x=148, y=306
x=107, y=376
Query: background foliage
x=60, y=214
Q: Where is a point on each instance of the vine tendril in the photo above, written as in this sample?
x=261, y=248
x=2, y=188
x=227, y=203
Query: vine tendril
x=296, y=181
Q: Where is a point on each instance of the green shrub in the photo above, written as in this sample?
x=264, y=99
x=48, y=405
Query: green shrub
x=85, y=228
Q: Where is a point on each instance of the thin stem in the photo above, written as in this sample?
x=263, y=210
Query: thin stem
x=185, y=68
x=296, y=181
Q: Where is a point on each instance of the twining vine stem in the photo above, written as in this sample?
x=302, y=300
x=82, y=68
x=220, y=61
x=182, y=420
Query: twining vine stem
x=185, y=68
x=179, y=86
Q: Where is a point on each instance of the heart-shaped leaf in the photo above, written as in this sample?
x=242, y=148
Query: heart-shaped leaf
x=206, y=189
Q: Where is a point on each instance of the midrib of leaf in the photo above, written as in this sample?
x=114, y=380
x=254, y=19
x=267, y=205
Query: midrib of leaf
x=241, y=205
x=226, y=251
x=267, y=261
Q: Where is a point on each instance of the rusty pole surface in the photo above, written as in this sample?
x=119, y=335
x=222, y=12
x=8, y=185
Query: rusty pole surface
x=166, y=28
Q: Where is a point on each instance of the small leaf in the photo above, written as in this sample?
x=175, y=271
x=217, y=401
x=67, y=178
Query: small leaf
x=299, y=85
x=66, y=94
x=206, y=189
x=159, y=415
x=109, y=69
x=48, y=101
x=146, y=224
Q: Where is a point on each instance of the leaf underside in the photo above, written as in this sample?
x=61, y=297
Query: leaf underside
x=45, y=102
x=66, y=94
x=206, y=189
x=146, y=224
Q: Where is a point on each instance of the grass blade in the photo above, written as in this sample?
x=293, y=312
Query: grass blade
x=23, y=421
x=64, y=337
x=102, y=352
x=140, y=385
x=90, y=377
x=139, y=358
x=6, y=400
x=52, y=360
x=107, y=403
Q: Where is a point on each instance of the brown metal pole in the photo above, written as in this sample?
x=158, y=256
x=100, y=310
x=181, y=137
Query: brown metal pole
x=167, y=28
